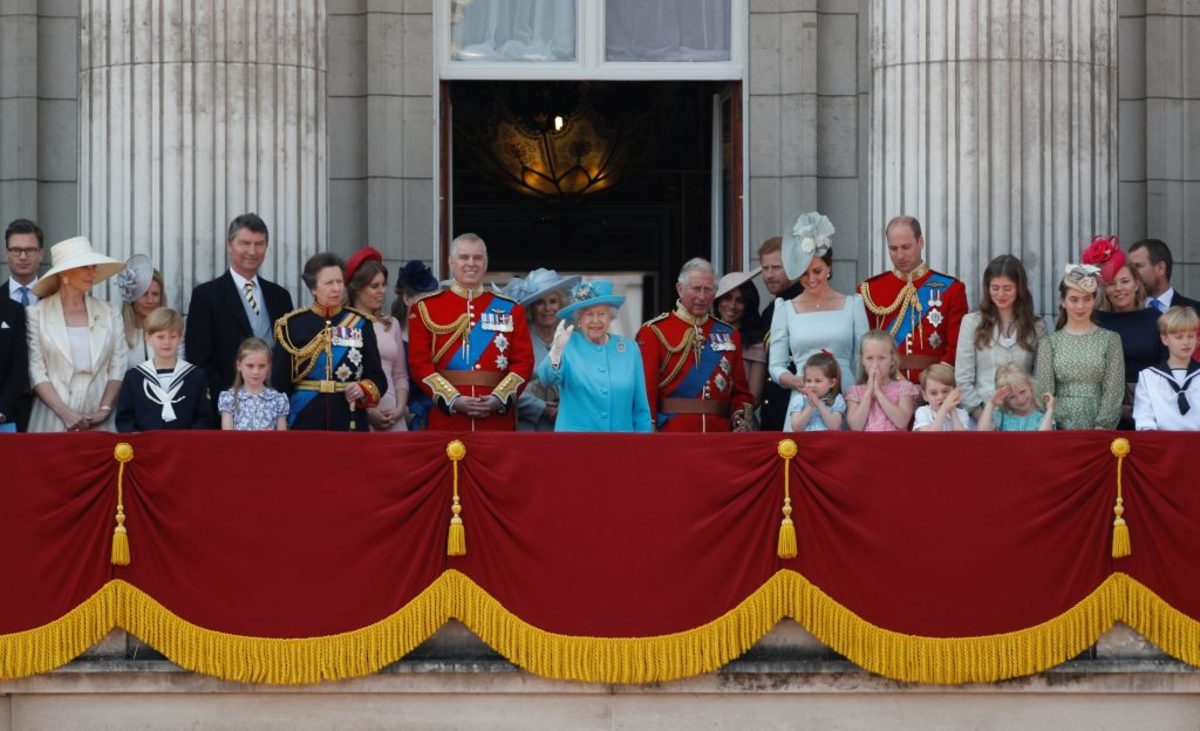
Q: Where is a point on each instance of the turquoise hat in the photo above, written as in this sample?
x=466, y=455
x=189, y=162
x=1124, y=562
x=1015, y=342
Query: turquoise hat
x=590, y=294
x=809, y=237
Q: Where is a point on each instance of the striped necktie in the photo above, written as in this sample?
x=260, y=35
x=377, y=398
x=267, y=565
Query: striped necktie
x=250, y=297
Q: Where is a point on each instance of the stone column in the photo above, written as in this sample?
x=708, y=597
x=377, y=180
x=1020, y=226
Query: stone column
x=995, y=124
x=192, y=112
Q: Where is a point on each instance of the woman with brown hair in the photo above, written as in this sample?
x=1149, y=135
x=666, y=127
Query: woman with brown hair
x=1004, y=330
x=366, y=280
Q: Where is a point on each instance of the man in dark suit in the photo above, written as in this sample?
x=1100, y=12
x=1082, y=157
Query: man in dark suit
x=236, y=305
x=14, y=364
x=24, y=246
x=773, y=410
x=1153, y=261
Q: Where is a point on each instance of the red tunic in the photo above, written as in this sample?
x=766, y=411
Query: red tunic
x=444, y=329
x=670, y=353
x=924, y=317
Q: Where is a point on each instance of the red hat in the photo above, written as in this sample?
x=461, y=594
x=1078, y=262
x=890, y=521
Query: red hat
x=367, y=253
x=1105, y=253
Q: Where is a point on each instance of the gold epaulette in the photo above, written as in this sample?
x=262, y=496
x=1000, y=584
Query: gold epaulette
x=505, y=297
x=653, y=320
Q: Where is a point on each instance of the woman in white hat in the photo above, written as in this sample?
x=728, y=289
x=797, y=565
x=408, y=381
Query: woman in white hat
x=600, y=373
x=736, y=304
x=77, y=347
x=142, y=292
x=543, y=293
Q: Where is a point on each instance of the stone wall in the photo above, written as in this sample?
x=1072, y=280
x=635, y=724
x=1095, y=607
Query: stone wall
x=382, y=128
x=1160, y=130
x=808, y=85
x=39, y=114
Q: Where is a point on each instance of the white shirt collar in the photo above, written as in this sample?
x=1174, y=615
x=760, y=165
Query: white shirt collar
x=14, y=286
x=1167, y=297
x=241, y=281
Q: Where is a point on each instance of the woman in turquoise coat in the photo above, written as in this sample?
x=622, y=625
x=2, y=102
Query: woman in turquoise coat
x=599, y=374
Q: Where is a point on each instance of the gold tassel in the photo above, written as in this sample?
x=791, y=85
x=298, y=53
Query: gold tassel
x=1121, y=547
x=456, y=541
x=123, y=453
x=786, y=548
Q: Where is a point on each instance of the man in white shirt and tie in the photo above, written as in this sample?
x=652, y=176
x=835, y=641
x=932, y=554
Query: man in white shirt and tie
x=1153, y=261
x=23, y=249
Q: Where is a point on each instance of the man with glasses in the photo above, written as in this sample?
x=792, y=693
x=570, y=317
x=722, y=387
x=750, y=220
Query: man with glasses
x=23, y=253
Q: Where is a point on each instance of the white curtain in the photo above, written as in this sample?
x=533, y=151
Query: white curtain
x=667, y=30
x=513, y=30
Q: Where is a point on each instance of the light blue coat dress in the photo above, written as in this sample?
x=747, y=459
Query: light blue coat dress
x=602, y=387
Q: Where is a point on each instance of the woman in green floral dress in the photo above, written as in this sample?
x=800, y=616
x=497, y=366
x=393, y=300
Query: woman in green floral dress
x=1082, y=364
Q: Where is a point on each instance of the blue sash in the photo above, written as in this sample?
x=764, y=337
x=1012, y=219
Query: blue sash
x=693, y=383
x=479, y=339
x=942, y=283
x=300, y=399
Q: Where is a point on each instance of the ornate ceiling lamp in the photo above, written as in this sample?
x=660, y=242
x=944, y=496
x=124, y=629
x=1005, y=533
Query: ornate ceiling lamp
x=554, y=145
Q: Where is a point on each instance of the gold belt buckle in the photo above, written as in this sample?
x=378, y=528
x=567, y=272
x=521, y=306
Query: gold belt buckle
x=327, y=387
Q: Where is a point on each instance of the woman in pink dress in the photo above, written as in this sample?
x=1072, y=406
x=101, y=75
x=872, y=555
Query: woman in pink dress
x=366, y=287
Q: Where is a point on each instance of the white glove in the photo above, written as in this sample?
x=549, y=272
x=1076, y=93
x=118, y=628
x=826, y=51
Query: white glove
x=561, y=335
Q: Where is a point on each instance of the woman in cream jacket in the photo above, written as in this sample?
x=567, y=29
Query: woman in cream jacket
x=76, y=346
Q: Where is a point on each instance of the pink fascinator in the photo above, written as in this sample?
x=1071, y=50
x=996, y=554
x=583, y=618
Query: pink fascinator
x=1105, y=254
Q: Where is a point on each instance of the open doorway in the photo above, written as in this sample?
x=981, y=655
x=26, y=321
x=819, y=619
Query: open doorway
x=616, y=178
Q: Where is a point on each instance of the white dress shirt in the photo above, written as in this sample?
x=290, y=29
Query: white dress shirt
x=14, y=290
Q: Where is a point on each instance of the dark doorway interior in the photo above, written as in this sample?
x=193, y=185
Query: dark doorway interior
x=630, y=191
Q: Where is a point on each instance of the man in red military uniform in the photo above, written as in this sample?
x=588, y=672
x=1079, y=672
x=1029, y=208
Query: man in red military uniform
x=695, y=380
x=921, y=308
x=469, y=348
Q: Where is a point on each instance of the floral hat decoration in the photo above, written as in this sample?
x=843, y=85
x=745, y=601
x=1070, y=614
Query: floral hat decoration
x=133, y=281
x=810, y=236
x=1105, y=254
x=1083, y=277
x=590, y=294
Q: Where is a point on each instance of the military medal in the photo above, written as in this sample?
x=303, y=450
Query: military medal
x=343, y=372
x=355, y=356
x=720, y=382
x=501, y=342
x=501, y=362
x=725, y=365
x=496, y=321
x=935, y=301
x=935, y=340
x=347, y=337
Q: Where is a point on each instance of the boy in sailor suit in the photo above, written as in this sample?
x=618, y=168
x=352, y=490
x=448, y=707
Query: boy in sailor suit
x=165, y=392
x=1167, y=396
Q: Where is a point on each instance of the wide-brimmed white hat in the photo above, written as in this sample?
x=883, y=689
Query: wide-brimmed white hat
x=73, y=254
x=135, y=279
x=733, y=280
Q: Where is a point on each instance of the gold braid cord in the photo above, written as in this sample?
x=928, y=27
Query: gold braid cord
x=906, y=299
x=456, y=330
x=305, y=357
x=684, y=349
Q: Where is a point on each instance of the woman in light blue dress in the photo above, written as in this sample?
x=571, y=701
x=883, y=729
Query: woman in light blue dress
x=599, y=374
x=819, y=318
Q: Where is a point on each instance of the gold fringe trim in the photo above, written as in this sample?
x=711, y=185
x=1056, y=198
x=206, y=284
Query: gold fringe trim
x=57, y=643
x=602, y=659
